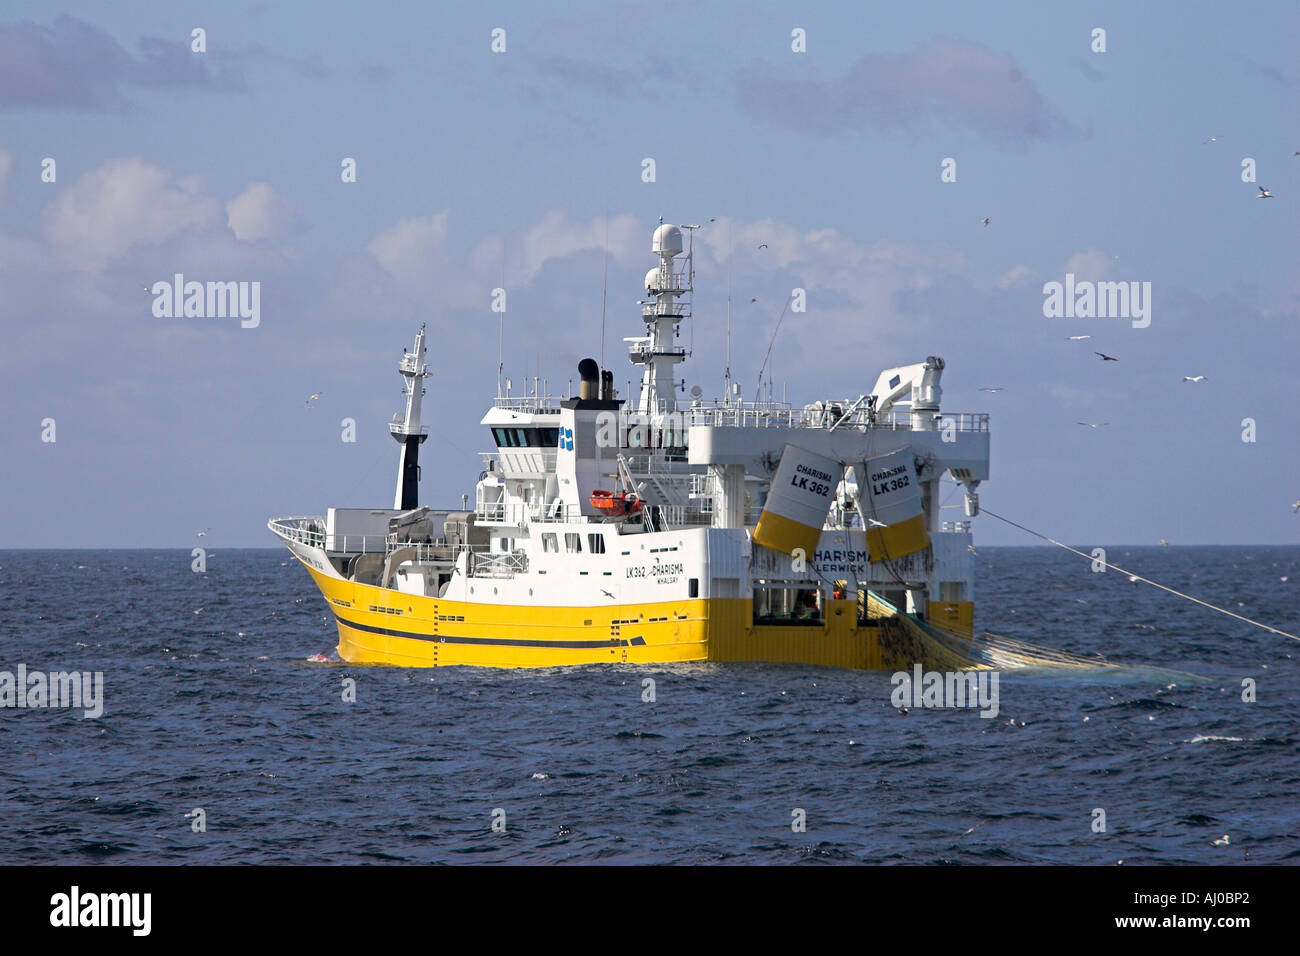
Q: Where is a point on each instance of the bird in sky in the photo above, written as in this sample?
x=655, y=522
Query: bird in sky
x=1077, y=338
x=1164, y=543
x=1264, y=194
x=1105, y=357
x=971, y=549
x=1193, y=378
x=201, y=534
x=1295, y=506
x=753, y=300
x=1094, y=424
x=762, y=245
x=313, y=397
x=986, y=222
x=997, y=388
x=872, y=522
x=1213, y=139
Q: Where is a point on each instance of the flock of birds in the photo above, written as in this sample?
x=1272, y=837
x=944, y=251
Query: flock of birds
x=994, y=389
x=1264, y=193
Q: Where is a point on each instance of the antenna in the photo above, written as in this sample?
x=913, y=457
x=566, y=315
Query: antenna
x=758, y=391
x=731, y=251
x=690, y=269
x=501, y=330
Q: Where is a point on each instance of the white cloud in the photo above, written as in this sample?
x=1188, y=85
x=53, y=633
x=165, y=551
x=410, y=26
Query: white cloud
x=418, y=254
x=556, y=237
x=6, y=166
x=124, y=202
x=1089, y=266
x=850, y=285
x=258, y=213
x=407, y=249
x=1014, y=275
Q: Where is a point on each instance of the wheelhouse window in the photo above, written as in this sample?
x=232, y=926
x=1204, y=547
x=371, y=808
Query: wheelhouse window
x=526, y=437
x=596, y=543
x=550, y=542
x=572, y=542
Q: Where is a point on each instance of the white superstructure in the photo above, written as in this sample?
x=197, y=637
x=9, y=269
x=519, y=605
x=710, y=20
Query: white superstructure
x=585, y=502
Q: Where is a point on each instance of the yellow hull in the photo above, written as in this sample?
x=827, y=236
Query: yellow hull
x=382, y=626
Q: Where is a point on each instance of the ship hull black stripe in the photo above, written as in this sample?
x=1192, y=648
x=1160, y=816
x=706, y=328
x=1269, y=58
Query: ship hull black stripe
x=495, y=641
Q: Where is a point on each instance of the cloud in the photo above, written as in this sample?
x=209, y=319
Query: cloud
x=123, y=203
x=942, y=83
x=854, y=291
x=409, y=248
x=557, y=237
x=258, y=213
x=416, y=252
x=1014, y=275
x=74, y=65
x=6, y=167
x=1089, y=266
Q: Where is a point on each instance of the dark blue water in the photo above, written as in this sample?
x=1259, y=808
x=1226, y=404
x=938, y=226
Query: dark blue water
x=210, y=703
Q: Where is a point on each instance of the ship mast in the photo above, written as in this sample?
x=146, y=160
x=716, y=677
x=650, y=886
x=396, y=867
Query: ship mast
x=407, y=431
x=656, y=351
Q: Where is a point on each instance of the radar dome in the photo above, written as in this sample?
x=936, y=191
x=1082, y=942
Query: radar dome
x=667, y=241
x=652, y=280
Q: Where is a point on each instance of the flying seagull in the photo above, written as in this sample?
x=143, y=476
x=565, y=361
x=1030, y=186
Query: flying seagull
x=986, y=221
x=1295, y=506
x=202, y=534
x=753, y=300
x=872, y=522
x=1164, y=543
x=313, y=397
x=971, y=549
x=1105, y=357
x=1077, y=338
x=997, y=388
x=1213, y=139
x=607, y=594
x=1193, y=378
x=762, y=245
x=1094, y=424
x=1264, y=194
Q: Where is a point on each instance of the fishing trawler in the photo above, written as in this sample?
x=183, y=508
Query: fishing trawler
x=666, y=530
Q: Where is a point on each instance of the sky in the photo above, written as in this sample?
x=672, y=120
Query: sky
x=523, y=168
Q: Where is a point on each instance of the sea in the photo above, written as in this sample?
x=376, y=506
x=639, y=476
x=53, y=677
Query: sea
x=220, y=742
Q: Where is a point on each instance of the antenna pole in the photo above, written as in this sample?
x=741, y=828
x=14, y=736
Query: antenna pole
x=731, y=250
x=501, y=336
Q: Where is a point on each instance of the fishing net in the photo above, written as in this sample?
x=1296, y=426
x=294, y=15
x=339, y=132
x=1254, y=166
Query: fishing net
x=906, y=641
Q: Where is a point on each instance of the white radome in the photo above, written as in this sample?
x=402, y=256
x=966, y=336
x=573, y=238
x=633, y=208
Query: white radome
x=667, y=241
x=652, y=280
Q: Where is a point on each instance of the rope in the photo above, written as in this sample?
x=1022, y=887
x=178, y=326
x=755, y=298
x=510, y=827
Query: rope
x=1115, y=567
